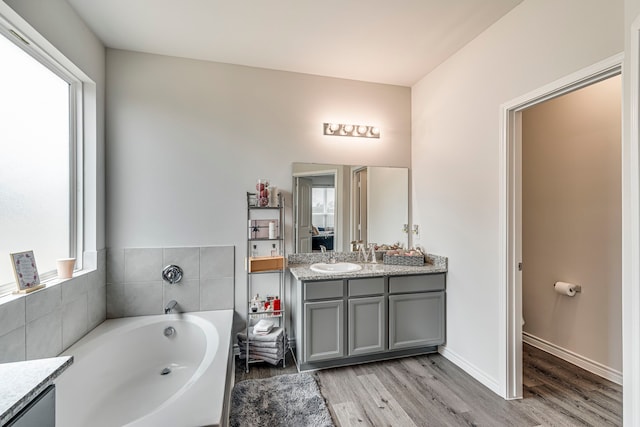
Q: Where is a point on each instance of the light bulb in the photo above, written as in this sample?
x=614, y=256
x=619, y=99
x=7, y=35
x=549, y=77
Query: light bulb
x=333, y=127
x=375, y=131
x=348, y=128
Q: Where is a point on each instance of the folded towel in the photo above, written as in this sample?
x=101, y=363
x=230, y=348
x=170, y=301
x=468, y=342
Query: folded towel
x=272, y=360
x=263, y=327
x=275, y=335
x=263, y=351
x=261, y=344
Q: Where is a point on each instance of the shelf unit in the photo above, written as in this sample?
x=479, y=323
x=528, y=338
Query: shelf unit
x=265, y=264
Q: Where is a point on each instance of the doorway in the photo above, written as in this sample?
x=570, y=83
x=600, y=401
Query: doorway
x=315, y=205
x=572, y=226
x=511, y=218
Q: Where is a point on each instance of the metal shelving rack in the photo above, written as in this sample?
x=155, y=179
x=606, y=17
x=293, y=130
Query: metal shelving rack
x=266, y=265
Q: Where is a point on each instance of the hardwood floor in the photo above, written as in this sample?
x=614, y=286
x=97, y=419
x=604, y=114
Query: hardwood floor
x=431, y=391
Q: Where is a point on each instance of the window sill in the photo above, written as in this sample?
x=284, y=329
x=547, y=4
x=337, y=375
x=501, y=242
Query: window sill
x=49, y=283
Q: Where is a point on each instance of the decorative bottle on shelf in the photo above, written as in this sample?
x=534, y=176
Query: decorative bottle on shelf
x=262, y=192
x=254, y=251
x=274, y=251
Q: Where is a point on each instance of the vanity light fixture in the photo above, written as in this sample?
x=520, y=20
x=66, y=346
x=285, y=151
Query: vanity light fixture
x=360, y=131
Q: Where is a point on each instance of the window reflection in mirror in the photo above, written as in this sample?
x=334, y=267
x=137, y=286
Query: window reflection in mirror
x=337, y=204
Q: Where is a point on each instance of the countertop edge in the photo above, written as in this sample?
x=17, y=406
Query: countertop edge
x=50, y=375
x=302, y=272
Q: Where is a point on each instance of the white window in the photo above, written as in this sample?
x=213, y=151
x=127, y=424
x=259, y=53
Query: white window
x=38, y=167
x=323, y=202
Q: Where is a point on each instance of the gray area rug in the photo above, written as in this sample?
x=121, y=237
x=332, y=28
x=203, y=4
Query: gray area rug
x=284, y=400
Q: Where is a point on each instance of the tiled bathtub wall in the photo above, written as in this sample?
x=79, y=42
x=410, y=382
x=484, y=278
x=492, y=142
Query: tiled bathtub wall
x=135, y=286
x=44, y=323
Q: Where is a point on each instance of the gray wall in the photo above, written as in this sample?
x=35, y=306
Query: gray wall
x=186, y=139
x=572, y=219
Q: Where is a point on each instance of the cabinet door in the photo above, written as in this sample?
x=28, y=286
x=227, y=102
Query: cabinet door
x=323, y=330
x=40, y=412
x=416, y=320
x=366, y=325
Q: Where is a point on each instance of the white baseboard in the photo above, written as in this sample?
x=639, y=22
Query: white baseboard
x=574, y=358
x=478, y=374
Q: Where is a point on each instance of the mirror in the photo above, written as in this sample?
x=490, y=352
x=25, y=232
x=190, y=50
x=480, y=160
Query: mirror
x=336, y=204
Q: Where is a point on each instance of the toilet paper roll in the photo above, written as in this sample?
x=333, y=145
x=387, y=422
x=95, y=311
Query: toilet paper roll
x=565, y=288
x=272, y=230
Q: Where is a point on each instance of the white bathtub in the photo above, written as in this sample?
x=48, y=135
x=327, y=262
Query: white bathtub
x=115, y=379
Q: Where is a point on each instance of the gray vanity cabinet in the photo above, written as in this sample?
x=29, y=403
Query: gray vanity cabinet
x=366, y=325
x=416, y=311
x=355, y=320
x=416, y=320
x=367, y=316
x=324, y=323
x=323, y=337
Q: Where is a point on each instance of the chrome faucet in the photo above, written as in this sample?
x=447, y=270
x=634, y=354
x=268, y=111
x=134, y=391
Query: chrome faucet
x=372, y=247
x=170, y=306
x=332, y=254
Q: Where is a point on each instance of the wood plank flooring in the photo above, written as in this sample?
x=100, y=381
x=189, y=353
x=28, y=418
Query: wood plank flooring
x=431, y=391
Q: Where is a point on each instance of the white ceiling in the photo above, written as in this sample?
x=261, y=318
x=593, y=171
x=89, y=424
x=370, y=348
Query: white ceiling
x=385, y=41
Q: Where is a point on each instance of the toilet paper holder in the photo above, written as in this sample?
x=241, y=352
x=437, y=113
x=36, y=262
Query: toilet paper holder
x=576, y=288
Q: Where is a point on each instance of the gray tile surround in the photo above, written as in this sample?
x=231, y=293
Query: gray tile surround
x=134, y=286
x=44, y=336
x=12, y=315
x=44, y=323
x=13, y=345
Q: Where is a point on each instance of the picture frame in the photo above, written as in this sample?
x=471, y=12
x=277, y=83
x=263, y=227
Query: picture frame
x=26, y=272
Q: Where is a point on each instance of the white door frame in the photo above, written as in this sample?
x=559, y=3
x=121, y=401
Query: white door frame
x=337, y=182
x=510, y=219
x=631, y=234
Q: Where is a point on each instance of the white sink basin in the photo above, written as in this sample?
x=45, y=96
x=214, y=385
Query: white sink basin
x=338, y=267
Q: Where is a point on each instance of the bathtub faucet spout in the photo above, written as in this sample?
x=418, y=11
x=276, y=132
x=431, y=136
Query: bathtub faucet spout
x=170, y=306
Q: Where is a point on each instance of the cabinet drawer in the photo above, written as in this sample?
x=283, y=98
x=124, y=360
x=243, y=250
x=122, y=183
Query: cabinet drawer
x=422, y=283
x=324, y=289
x=369, y=286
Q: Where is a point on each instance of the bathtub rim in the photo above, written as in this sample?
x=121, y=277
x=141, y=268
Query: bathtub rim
x=222, y=321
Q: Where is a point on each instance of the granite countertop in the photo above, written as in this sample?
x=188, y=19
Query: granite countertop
x=300, y=263
x=20, y=382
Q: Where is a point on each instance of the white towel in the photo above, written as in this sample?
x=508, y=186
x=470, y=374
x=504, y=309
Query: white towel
x=263, y=327
x=274, y=335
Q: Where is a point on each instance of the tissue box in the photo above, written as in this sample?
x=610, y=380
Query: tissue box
x=410, y=260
